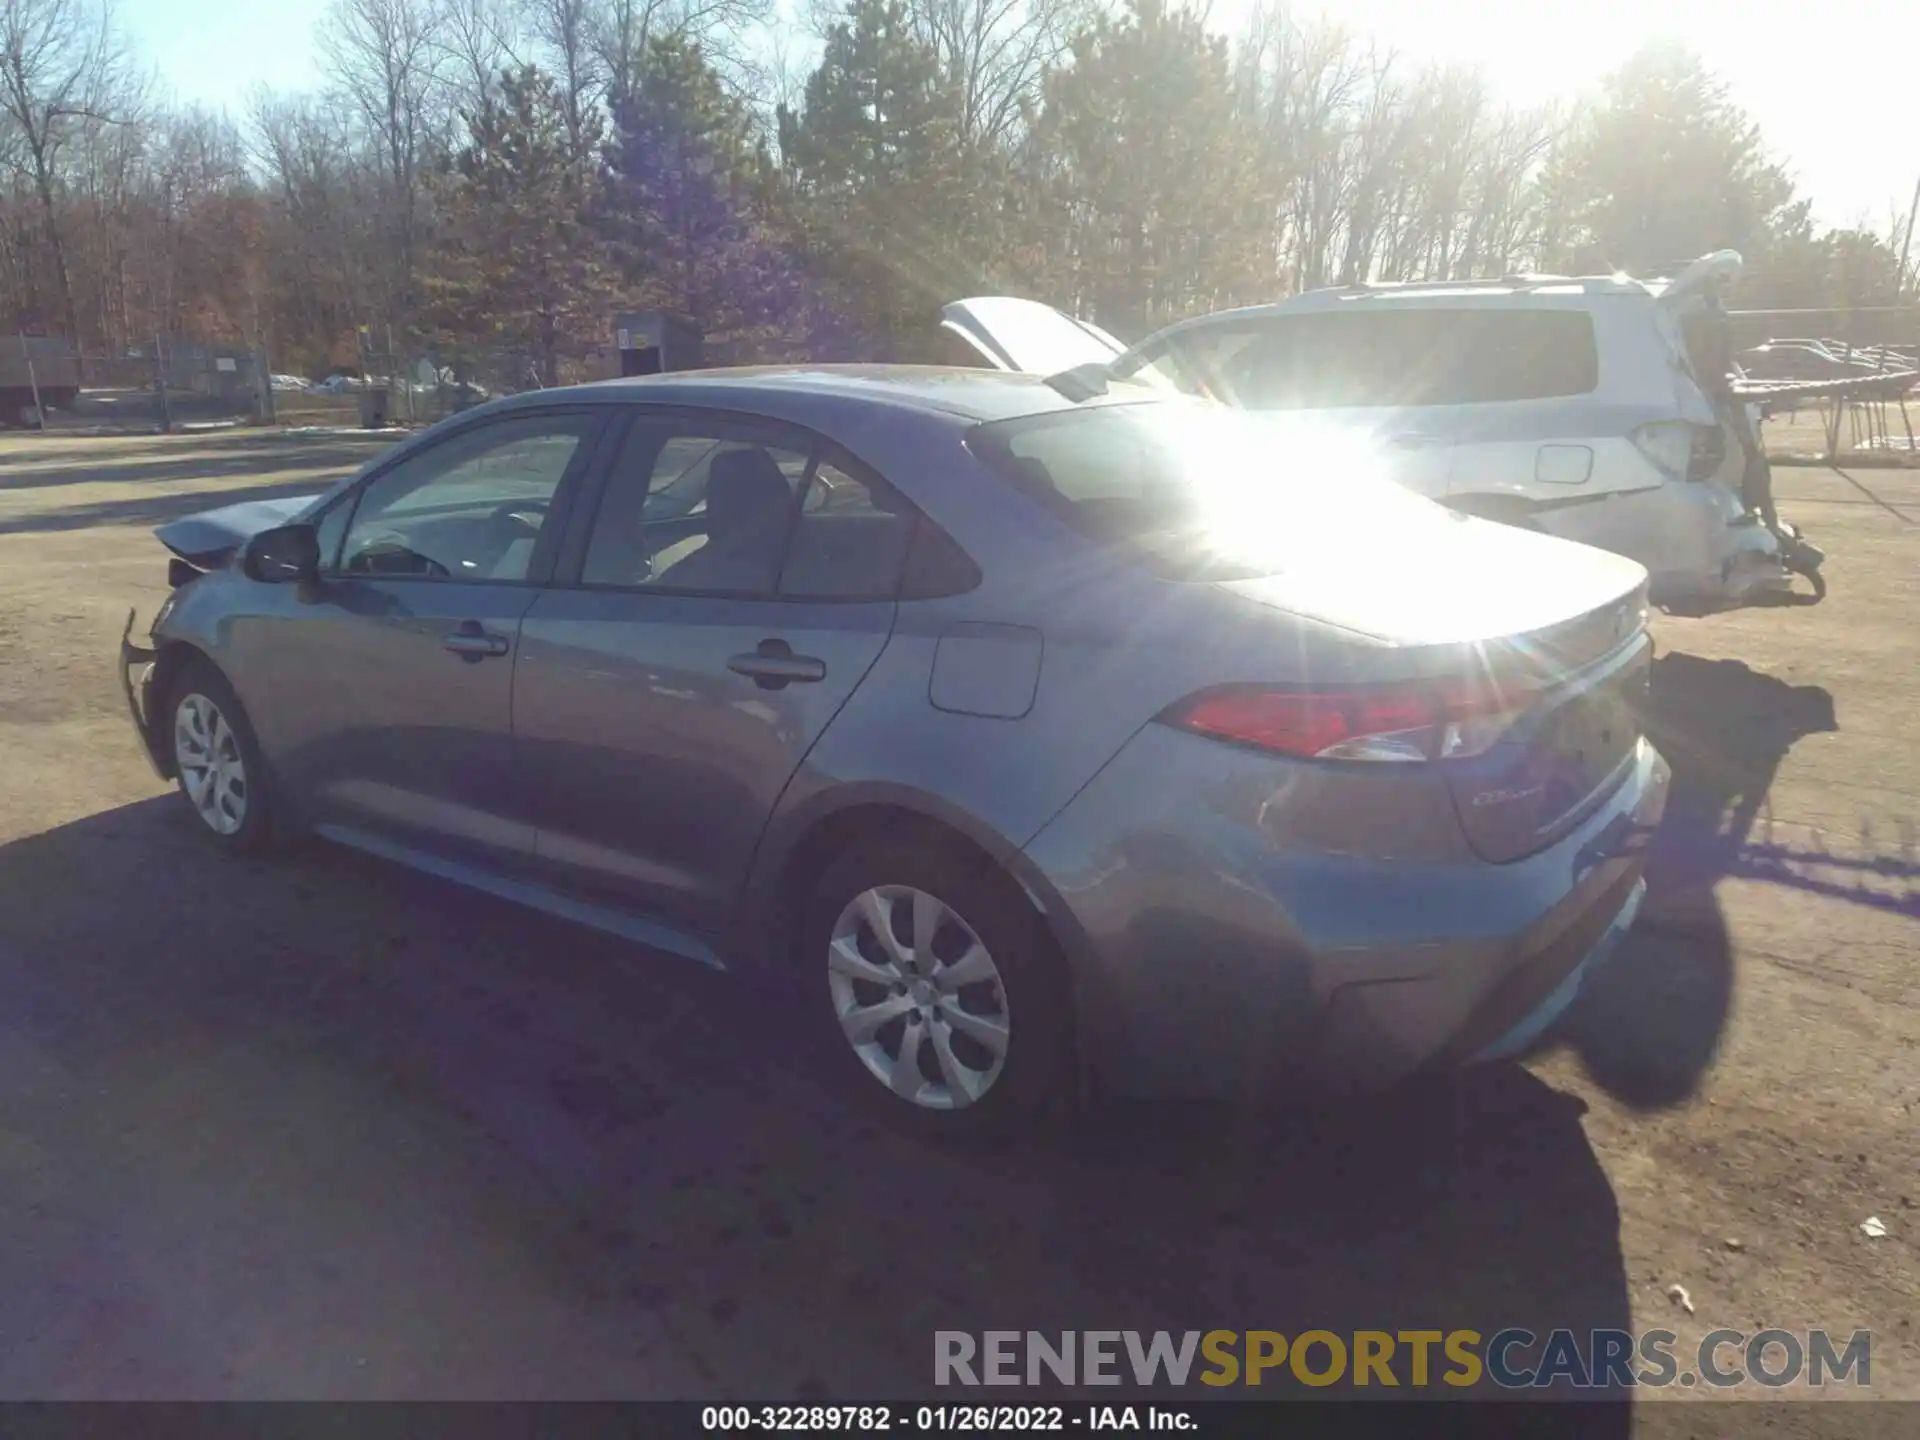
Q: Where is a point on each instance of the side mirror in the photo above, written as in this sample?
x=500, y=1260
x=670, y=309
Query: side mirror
x=285, y=555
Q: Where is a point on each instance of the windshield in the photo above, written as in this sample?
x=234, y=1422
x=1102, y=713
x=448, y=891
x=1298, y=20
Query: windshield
x=1197, y=491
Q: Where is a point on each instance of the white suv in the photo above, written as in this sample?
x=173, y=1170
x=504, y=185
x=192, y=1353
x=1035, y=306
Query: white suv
x=1567, y=405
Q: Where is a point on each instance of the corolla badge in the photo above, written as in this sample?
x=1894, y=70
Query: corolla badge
x=1507, y=797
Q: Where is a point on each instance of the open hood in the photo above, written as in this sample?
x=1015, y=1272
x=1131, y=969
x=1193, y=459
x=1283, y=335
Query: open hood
x=1026, y=335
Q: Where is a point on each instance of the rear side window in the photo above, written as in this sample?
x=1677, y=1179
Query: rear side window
x=1524, y=355
x=1393, y=358
x=850, y=539
x=726, y=507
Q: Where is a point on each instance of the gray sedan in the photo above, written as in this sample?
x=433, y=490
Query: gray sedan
x=1034, y=745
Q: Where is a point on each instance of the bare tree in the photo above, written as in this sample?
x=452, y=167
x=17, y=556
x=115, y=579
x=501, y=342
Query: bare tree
x=564, y=33
x=620, y=31
x=324, y=271
x=61, y=64
x=388, y=60
x=481, y=38
x=995, y=52
x=1300, y=85
x=1372, y=173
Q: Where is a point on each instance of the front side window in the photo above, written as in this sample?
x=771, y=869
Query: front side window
x=332, y=529
x=469, y=508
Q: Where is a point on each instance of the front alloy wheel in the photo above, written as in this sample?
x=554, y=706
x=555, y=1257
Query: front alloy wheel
x=213, y=772
x=918, y=997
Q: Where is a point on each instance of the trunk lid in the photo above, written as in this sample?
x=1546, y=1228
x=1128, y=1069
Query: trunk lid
x=1014, y=334
x=1559, y=627
x=1410, y=573
x=1569, y=751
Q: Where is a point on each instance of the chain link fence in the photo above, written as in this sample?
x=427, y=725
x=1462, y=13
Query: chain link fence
x=176, y=382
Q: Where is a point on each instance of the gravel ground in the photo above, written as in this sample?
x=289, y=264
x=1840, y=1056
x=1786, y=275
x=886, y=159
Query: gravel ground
x=317, y=1127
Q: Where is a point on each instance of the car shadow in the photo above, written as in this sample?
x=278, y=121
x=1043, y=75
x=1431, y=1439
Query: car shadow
x=160, y=508
x=1649, y=1024
x=317, y=1126
x=56, y=448
x=229, y=459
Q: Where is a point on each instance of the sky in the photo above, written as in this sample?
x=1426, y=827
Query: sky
x=1824, y=82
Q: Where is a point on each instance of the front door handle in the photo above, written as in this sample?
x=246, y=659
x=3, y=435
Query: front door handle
x=471, y=642
x=772, y=665
x=1415, y=440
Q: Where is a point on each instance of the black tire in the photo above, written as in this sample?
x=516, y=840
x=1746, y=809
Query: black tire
x=1035, y=1084
x=257, y=830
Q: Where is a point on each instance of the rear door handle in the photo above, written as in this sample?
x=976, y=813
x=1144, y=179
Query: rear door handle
x=471, y=642
x=772, y=665
x=1414, y=440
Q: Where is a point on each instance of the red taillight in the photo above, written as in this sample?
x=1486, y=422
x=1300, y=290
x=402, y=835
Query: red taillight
x=1416, y=722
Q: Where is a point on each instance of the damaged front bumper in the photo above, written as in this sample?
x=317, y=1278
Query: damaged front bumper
x=138, y=689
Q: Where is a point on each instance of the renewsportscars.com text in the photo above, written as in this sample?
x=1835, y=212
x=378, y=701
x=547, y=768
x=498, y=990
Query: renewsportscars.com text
x=1410, y=1359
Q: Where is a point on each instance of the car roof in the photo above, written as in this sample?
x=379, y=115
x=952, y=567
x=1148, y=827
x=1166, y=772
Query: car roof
x=797, y=392
x=1505, y=290
x=1533, y=292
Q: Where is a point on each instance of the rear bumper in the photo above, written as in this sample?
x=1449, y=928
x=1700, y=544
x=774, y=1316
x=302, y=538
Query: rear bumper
x=1539, y=1016
x=136, y=684
x=1217, y=959
x=1695, y=537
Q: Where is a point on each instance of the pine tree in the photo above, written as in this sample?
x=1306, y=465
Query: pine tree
x=1662, y=169
x=691, y=204
x=1150, y=171
x=521, y=265
x=895, y=203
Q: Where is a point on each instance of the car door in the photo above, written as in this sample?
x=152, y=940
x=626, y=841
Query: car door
x=387, y=690
x=733, y=585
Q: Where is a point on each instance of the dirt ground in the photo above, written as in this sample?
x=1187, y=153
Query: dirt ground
x=318, y=1127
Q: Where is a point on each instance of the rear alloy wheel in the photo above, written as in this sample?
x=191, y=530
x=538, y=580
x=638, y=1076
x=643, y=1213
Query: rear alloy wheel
x=918, y=997
x=220, y=772
x=930, y=958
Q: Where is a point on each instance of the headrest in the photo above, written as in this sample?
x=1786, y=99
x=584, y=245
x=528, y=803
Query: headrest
x=742, y=487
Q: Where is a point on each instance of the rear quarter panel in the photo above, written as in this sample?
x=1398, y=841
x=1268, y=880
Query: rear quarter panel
x=1116, y=647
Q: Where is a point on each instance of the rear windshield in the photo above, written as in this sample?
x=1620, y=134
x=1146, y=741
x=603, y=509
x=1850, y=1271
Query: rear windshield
x=1192, y=491
x=1382, y=357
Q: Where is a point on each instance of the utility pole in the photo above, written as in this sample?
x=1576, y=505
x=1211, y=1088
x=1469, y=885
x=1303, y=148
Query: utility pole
x=39, y=411
x=1906, y=246
x=160, y=386
x=262, y=360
